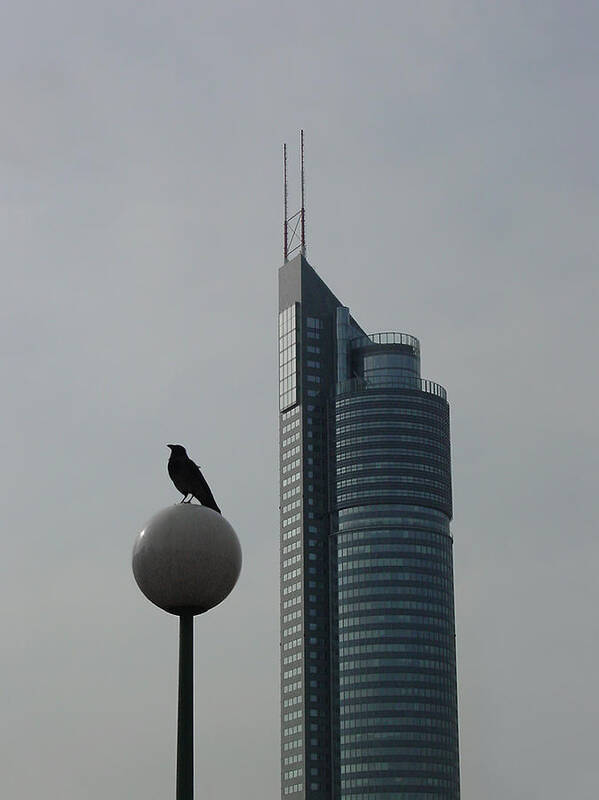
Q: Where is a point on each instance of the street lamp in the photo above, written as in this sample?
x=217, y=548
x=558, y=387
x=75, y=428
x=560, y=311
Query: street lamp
x=186, y=561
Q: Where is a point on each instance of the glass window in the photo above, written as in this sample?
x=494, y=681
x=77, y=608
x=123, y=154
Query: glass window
x=288, y=357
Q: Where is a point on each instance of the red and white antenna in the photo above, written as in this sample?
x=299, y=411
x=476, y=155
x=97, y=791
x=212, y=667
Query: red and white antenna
x=294, y=226
x=303, y=245
x=285, y=247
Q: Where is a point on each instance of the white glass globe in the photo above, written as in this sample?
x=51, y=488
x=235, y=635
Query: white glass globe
x=187, y=559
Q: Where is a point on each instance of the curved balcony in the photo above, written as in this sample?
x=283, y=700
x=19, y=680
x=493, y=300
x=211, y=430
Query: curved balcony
x=387, y=337
x=354, y=385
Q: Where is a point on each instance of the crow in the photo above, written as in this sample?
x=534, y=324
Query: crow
x=188, y=479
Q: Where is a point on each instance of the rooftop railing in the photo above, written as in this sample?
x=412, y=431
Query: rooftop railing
x=387, y=337
x=354, y=385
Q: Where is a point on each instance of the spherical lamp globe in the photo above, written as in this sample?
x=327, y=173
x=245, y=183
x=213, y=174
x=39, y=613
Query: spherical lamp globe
x=187, y=559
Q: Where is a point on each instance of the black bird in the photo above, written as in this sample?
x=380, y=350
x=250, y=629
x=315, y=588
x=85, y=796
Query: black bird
x=188, y=479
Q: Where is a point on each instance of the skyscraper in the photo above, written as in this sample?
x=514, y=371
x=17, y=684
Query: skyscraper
x=368, y=669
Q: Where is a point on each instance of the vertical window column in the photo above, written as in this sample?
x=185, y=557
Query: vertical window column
x=288, y=356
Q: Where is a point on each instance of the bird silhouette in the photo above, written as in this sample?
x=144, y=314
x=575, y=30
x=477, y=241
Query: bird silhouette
x=188, y=478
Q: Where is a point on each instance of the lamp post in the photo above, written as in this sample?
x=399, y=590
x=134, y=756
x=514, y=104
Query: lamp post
x=186, y=561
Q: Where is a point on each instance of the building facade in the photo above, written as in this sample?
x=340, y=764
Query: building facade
x=368, y=665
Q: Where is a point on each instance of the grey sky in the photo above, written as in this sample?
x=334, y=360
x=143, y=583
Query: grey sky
x=452, y=194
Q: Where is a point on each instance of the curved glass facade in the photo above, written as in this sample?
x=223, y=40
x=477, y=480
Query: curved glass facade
x=390, y=360
x=368, y=663
x=396, y=716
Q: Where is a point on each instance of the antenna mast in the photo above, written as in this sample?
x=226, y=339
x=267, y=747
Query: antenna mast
x=285, y=242
x=294, y=226
x=303, y=248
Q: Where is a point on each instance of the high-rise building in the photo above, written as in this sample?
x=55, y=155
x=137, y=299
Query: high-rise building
x=368, y=667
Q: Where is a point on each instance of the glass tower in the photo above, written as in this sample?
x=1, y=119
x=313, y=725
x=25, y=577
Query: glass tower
x=368, y=668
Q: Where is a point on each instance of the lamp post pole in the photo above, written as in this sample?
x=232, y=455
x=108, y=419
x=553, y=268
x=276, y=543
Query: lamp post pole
x=186, y=561
x=185, y=754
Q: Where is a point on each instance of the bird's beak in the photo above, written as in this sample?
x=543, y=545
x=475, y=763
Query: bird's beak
x=170, y=446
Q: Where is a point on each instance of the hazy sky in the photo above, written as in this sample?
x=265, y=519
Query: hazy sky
x=452, y=180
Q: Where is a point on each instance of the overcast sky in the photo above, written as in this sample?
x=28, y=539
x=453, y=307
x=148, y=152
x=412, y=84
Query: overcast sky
x=452, y=176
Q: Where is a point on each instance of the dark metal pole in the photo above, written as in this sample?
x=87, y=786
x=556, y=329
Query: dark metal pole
x=185, y=719
x=285, y=232
x=303, y=250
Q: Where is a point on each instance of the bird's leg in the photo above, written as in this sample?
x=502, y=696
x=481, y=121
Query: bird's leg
x=184, y=498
